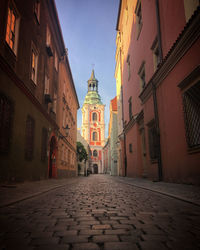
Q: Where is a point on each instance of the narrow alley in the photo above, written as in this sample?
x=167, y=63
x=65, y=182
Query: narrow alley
x=100, y=212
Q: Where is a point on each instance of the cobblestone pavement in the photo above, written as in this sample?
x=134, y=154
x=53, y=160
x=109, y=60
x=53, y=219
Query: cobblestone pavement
x=100, y=212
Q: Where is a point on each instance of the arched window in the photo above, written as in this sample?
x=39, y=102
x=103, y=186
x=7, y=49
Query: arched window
x=94, y=116
x=95, y=153
x=94, y=136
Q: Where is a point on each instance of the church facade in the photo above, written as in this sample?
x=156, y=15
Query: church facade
x=93, y=125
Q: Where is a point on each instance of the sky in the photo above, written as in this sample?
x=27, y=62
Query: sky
x=89, y=32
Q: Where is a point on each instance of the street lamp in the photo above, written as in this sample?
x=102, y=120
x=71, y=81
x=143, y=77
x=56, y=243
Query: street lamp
x=67, y=128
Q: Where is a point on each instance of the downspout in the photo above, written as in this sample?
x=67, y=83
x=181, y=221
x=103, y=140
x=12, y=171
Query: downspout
x=160, y=172
x=125, y=156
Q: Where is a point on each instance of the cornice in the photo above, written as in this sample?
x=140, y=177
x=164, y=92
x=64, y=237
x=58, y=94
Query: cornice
x=185, y=40
x=130, y=124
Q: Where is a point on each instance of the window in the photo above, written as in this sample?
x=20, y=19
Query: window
x=130, y=108
x=46, y=85
x=191, y=102
x=156, y=54
x=48, y=37
x=56, y=61
x=34, y=62
x=37, y=10
x=48, y=42
x=29, y=137
x=94, y=116
x=129, y=69
x=54, y=102
x=12, y=28
x=153, y=140
x=130, y=148
x=142, y=75
x=94, y=136
x=95, y=153
x=6, y=117
x=44, y=144
x=138, y=12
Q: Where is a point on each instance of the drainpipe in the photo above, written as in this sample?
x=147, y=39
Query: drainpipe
x=160, y=175
x=160, y=172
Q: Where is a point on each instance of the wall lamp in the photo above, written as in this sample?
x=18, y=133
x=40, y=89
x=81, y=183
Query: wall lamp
x=67, y=128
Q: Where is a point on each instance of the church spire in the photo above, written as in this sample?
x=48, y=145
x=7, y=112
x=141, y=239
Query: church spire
x=92, y=83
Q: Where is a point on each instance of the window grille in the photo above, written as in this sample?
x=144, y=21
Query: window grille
x=6, y=115
x=29, y=143
x=191, y=102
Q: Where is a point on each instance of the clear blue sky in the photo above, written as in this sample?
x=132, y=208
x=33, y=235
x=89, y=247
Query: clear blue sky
x=89, y=32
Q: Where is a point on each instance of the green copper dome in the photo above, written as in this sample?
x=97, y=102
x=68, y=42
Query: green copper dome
x=92, y=96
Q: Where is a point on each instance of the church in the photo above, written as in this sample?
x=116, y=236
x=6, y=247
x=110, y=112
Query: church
x=93, y=125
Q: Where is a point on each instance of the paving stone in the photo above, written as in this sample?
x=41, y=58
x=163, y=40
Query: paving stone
x=152, y=245
x=41, y=234
x=65, y=233
x=86, y=246
x=120, y=246
x=90, y=232
x=53, y=246
x=44, y=241
x=129, y=238
x=97, y=227
x=124, y=226
x=74, y=239
x=105, y=238
x=117, y=232
x=89, y=222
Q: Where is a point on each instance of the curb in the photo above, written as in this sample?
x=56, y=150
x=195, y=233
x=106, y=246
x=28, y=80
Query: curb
x=163, y=193
x=30, y=196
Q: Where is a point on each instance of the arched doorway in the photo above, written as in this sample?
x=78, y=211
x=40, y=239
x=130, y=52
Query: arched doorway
x=95, y=168
x=52, y=158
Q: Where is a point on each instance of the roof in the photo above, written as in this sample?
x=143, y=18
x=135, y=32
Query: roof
x=114, y=103
x=92, y=97
x=92, y=77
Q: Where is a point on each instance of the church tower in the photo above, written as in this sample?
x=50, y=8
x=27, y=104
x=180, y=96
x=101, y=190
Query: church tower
x=93, y=125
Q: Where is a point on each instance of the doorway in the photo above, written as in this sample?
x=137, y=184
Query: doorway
x=95, y=168
x=52, y=158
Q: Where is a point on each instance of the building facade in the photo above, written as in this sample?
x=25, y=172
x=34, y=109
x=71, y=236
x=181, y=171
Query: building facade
x=93, y=125
x=106, y=157
x=31, y=53
x=158, y=47
x=85, y=166
x=67, y=105
x=113, y=137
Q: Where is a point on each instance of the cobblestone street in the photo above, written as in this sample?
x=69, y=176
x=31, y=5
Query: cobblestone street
x=100, y=212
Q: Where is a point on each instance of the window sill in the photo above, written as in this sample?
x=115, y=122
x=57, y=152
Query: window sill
x=33, y=83
x=153, y=161
x=9, y=55
x=194, y=150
